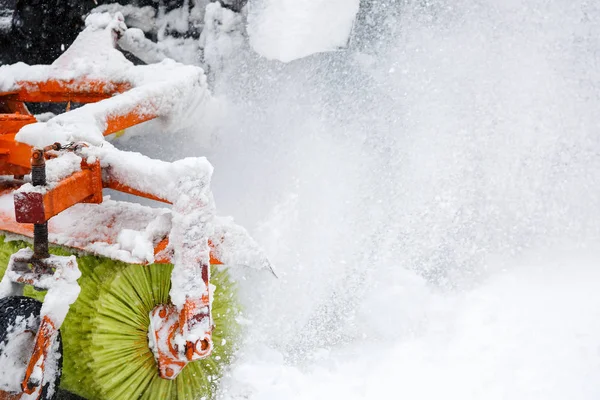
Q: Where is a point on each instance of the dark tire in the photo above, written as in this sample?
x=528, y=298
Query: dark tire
x=20, y=308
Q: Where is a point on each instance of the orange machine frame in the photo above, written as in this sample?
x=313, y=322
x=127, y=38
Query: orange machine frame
x=84, y=186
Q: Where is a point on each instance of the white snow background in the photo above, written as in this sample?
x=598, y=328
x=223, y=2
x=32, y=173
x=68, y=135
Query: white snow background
x=431, y=200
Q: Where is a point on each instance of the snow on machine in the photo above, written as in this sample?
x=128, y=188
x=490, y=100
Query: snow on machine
x=135, y=305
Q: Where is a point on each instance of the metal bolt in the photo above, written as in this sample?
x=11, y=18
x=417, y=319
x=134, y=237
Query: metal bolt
x=38, y=178
x=201, y=346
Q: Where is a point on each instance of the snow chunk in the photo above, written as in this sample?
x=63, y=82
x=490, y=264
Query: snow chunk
x=95, y=228
x=15, y=353
x=143, y=18
x=56, y=169
x=286, y=30
x=45, y=116
x=61, y=167
x=93, y=53
x=222, y=36
x=134, y=41
x=234, y=246
x=137, y=243
x=141, y=243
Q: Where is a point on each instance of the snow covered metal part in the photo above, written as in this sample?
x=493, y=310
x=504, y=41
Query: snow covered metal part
x=56, y=172
x=58, y=275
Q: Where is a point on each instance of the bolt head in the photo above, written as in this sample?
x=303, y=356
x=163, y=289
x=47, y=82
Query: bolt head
x=201, y=346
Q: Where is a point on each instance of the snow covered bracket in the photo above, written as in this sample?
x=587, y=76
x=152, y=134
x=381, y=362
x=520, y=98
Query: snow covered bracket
x=80, y=163
x=182, y=332
x=58, y=275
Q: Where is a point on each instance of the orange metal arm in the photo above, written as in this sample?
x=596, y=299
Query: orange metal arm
x=84, y=186
x=14, y=157
x=56, y=91
x=77, y=91
x=12, y=123
x=118, y=122
x=81, y=187
x=41, y=349
x=112, y=183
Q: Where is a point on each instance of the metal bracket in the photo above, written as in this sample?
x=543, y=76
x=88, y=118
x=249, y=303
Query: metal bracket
x=171, y=349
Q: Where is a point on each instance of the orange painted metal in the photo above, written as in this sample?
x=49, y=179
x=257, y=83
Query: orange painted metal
x=81, y=187
x=191, y=314
x=77, y=91
x=59, y=91
x=166, y=325
x=84, y=186
x=15, y=153
x=43, y=341
x=10, y=396
x=8, y=224
x=12, y=123
x=13, y=107
x=111, y=183
x=160, y=254
x=169, y=364
x=14, y=156
x=118, y=122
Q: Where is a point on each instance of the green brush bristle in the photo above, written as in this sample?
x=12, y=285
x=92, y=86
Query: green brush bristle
x=105, y=342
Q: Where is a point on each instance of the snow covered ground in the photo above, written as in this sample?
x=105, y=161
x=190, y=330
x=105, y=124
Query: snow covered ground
x=430, y=198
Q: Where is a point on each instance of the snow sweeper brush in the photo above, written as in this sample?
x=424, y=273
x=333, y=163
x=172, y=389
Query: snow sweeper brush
x=142, y=310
